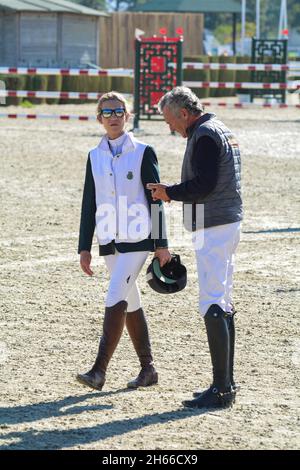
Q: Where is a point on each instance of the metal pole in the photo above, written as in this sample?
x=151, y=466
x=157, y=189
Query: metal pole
x=280, y=25
x=283, y=19
x=234, y=33
x=257, y=19
x=179, y=70
x=137, y=84
x=243, y=30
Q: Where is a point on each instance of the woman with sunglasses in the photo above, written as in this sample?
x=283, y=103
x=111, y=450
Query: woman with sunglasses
x=117, y=203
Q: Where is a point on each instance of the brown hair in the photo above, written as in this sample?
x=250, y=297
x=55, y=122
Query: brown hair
x=112, y=95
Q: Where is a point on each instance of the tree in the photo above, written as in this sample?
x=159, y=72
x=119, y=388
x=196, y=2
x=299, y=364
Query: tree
x=294, y=14
x=223, y=32
x=269, y=13
x=269, y=17
x=95, y=4
x=117, y=5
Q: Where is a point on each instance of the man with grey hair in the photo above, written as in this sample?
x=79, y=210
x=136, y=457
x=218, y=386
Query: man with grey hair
x=210, y=179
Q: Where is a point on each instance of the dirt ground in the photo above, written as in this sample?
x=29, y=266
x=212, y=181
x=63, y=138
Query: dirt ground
x=51, y=313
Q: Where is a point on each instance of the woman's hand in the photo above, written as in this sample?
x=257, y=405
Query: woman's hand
x=163, y=255
x=85, y=262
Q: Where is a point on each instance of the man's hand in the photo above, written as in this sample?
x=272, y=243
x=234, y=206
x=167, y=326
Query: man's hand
x=163, y=255
x=85, y=262
x=158, y=191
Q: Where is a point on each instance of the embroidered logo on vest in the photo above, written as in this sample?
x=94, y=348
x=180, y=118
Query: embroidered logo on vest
x=129, y=175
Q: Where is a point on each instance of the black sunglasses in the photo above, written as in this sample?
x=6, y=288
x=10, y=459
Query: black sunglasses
x=107, y=112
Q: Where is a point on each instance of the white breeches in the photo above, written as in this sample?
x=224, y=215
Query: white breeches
x=215, y=265
x=124, y=269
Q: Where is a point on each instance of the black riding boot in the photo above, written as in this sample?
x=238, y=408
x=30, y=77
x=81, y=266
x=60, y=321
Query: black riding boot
x=113, y=325
x=138, y=331
x=220, y=393
x=231, y=330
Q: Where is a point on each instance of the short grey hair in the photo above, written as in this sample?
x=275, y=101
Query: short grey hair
x=181, y=97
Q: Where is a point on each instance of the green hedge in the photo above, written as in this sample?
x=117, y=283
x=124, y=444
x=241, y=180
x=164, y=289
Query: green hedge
x=226, y=76
x=243, y=75
x=14, y=82
x=85, y=83
x=54, y=84
x=198, y=75
x=36, y=83
x=214, y=75
x=81, y=83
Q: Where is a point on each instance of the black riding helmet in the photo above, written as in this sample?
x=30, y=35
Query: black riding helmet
x=170, y=278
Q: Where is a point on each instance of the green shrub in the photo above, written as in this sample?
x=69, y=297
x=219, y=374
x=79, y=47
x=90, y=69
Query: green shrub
x=243, y=75
x=80, y=83
x=26, y=104
x=105, y=84
x=54, y=84
x=85, y=84
x=226, y=76
x=214, y=75
x=122, y=84
x=198, y=75
x=37, y=83
x=14, y=82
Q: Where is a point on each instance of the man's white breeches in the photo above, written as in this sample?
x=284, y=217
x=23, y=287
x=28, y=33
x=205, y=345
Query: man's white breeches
x=215, y=265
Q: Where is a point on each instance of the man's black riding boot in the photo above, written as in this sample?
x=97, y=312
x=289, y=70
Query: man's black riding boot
x=138, y=331
x=231, y=330
x=113, y=325
x=220, y=393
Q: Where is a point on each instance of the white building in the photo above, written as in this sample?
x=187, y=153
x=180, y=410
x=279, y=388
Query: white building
x=48, y=33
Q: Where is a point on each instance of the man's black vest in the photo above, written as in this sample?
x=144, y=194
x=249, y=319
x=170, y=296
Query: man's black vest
x=224, y=204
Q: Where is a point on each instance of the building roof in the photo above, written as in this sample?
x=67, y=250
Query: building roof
x=45, y=6
x=188, y=6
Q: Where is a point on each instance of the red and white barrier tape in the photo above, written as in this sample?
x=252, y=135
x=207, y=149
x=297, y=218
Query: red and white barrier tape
x=62, y=117
x=95, y=96
x=70, y=72
x=247, y=67
x=52, y=94
x=250, y=105
x=69, y=117
x=130, y=72
x=239, y=85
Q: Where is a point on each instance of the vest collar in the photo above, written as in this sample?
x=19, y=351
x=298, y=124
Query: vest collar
x=128, y=145
x=205, y=117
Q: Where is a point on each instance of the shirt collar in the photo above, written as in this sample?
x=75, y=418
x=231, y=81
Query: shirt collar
x=129, y=143
x=203, y=118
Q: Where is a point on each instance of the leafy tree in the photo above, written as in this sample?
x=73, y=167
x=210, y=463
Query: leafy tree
x=117, y=5
x=223, y=32
x=95, y=4
x=294, y=13
x=270, y=10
